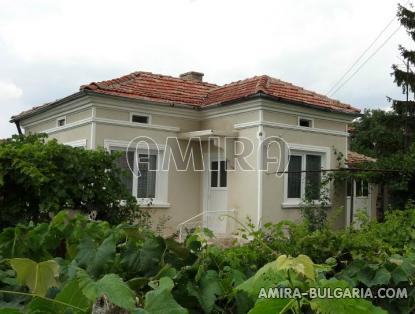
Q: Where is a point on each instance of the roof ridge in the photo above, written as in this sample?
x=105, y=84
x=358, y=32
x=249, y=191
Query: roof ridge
x=106, y=84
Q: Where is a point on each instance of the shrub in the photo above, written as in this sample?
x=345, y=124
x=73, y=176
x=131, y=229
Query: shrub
x=39, y=177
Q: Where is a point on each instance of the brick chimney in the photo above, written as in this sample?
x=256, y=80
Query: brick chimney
x=192, y=76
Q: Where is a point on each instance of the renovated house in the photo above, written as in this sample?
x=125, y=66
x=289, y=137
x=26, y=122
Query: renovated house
x=201, y=153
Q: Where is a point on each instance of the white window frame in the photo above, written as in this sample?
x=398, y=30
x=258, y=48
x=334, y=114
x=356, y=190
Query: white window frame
x=78, y=143
x=305, y=118
x=161, y=191
x=133, y=113
x=303, y=151
x=58, y=119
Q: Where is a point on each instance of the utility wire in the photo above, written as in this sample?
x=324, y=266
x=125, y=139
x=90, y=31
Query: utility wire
x=361, y=56
x=370, y=57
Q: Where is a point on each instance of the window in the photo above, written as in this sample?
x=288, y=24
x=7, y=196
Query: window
x=139, y=118
x=304, y=122
x=361, y=188
x=143, y=183
x=146, y=181
x=304, y=176
x=218, y=174
x=60, y=122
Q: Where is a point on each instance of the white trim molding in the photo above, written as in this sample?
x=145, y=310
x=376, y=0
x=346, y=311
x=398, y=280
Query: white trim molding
x=254, y=124
x=93, y=132
x=141, y=114
x=137, y=125
x=303, y=150
x=299, y=118
x=78, y=143
x=60, y=119
x=162, y=176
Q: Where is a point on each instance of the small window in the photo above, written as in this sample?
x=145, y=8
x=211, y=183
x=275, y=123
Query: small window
x=307, y=123
x=218, y=174
x=61, y=122
x=139, y=118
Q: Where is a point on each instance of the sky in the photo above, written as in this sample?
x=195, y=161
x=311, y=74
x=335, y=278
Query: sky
x=48, y=48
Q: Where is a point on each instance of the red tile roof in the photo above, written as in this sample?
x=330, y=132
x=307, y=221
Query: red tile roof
x=172, y=90
x=354, y=158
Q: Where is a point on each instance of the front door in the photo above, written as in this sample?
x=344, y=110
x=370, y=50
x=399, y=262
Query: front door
x=216, y=196
x=361, y=199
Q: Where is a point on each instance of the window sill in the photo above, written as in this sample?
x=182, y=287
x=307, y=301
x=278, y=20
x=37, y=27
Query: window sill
x=154, y=204
x=299, y=204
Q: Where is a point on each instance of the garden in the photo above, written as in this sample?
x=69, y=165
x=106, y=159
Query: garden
x=54, y=259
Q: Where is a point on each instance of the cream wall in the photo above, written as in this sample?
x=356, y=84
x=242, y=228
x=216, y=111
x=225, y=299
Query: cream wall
x=273, y=186
x=183, y=186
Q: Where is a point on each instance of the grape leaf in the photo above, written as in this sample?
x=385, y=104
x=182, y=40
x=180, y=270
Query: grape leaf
x=39, y=277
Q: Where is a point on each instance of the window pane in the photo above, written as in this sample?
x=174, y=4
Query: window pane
x=305, y=123
x=349, y=188
x=223, y=173
x=140, y=119
x=146, y=182
x=365, y=188
x=126, y=175
x=294, y=177
x=313, y=178
x=359, y=188
x=214, y=174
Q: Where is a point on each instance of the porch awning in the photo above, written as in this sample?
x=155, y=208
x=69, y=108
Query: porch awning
x=354, y=158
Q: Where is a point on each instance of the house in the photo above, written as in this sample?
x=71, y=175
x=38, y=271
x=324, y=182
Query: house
x=252, y=144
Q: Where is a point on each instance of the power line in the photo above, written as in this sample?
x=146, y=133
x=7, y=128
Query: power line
x=370, y=57
x=361, y=55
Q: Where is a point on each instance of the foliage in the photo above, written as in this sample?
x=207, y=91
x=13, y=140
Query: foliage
x=71, y=263
x=313, y=210
x=39, y=177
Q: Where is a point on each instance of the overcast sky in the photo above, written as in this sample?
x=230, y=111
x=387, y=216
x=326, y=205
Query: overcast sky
x=49, y=48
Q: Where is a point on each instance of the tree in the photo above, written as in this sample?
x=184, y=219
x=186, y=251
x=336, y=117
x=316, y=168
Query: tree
x=39, y=177
x=389, y=136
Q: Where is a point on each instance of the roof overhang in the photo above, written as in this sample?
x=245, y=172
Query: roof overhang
x=206, y=134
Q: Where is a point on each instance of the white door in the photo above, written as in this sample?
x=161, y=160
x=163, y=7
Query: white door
x=361, y=199
x=216, y=194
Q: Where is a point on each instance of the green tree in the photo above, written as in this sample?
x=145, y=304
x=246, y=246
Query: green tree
x=39, y=177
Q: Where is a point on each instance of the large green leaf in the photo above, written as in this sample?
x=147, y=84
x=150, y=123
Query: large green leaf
x=95, y=257
x=161, y=301
x=207, y=290
x=301, y=264
x=266, y=277
x=269, y=306
x=70, y=298
x=111, y=285
x=39, y=277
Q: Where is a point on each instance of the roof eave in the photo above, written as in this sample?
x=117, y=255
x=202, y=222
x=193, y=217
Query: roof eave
x=33, y=112
x=274, y=98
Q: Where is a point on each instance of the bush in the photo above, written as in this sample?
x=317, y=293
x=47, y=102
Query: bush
x=39, y=177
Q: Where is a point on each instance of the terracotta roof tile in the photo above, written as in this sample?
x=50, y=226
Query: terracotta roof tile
x=173, y=90
x=354, y=158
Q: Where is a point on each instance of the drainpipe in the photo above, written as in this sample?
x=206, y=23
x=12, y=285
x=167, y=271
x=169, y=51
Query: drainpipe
x=19, y=129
